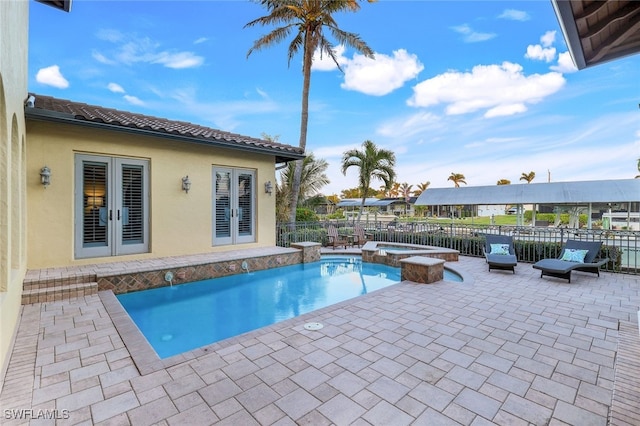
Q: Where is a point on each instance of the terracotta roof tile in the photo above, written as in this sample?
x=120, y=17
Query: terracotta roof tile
x=160, y=126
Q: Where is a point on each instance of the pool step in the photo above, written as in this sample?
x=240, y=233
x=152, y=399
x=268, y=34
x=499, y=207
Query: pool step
x=48, y=290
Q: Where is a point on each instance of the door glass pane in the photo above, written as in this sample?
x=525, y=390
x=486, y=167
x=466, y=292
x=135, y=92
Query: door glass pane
x=94, y=212
x=223, y=204
x=131, y=215
x=245, y=204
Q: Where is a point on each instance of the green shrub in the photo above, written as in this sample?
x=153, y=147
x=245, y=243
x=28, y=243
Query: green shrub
x=308, y=234
x=339, y=214
x=304, y=214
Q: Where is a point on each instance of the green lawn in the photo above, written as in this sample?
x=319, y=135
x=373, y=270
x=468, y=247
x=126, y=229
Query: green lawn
x=483, y=220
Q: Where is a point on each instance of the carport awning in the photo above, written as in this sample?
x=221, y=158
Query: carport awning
x=580, y=193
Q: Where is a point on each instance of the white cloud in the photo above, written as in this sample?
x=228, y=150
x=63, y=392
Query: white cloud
x=380, y=76
x=404, y=128
x=471, y=36
x=179, y=60
x=101, y=58
x=134, y=100
x=106, y=34
x=262, y=93
x=548, y=38
x=515, y=15
x=115, y=88
x=146, y=50
x=51, y=76
x=323, y=62
x=565, y=64
x=201, y=40
x=499, y=89
x=540, y=53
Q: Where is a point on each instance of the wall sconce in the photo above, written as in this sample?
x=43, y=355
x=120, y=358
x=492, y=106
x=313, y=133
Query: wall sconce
x=95, y=202
x=45, y=176
x=268, y=187
x=186, y=184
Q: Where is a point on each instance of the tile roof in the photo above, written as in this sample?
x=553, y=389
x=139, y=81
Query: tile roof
x=54, y=109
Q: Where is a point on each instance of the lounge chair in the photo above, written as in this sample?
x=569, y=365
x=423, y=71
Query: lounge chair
x=499, y=252
x=336, y=240
x=575, y=256
x=360, y=236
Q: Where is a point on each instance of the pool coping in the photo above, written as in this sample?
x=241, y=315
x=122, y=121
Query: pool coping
x=148, y=361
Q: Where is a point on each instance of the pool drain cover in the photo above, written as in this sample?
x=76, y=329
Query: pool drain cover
x=313, y=326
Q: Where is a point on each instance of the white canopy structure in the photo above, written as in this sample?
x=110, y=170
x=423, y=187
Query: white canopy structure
x=572, y=194
x=558, y=193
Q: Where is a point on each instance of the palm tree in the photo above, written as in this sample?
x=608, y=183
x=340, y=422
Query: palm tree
x=383, y=192
x=457, y=179
x=421, y=188
x=528, y=176
x=307, y=19
x=394, y=192
x=638, y=176
x=351, y=193
x=405, y=191
x=313, y=179
x=504, y=182
x=374, y=163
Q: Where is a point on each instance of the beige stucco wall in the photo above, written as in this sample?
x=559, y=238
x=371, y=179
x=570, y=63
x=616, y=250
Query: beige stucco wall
x=13, y=91
x=181, y=223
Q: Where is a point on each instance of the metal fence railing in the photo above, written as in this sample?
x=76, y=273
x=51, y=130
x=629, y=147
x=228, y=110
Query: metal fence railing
x=622, y=247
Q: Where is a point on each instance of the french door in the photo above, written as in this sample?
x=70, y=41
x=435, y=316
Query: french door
x=233, y=206
x=111, y=206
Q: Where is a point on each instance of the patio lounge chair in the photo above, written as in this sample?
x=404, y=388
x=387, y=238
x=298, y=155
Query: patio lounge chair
x=499, y=252
x=360, y=236
x=336, y=240
x=575, y=256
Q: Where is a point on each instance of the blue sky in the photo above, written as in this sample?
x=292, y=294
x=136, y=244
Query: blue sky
x=482, y=88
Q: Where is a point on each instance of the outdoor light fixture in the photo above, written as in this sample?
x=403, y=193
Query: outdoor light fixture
x=95, y=202
x=186, y=184
x=268, y=187
x=45, y=176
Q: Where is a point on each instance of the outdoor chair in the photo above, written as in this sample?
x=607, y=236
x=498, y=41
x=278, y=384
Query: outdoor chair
x=499, y=252
x=575, y=256
x=336, y=240
x=360, y=236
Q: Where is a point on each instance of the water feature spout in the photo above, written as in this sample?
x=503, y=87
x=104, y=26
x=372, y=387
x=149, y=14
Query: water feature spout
x=245, y=266
x=168, y=277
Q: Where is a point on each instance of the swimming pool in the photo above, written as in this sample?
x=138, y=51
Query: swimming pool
x=184, y=317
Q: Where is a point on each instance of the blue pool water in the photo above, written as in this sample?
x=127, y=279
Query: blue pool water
x=184, y=317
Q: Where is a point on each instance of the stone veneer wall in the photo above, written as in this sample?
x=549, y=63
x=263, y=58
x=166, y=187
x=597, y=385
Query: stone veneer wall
x=423, y=270
x=371, y=253
x=310, y=251
x=145, y=280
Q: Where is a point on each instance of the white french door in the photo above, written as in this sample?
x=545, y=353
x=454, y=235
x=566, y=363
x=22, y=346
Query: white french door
x=111, y=206
x=233, y=206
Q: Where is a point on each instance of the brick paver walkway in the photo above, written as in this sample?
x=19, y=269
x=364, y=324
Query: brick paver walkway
x=506, y=349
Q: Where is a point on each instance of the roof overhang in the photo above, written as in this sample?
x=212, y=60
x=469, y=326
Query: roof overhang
x=599, y=31
x=58, y=4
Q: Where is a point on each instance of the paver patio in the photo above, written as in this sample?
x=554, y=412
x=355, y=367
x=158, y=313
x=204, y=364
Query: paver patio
x=506, y=349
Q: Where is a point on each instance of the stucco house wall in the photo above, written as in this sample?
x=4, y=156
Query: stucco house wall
x=14, y=28
x=180, y=223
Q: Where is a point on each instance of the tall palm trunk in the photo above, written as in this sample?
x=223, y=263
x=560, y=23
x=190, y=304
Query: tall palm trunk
x=304, y=121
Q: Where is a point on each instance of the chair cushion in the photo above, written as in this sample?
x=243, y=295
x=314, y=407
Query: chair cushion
x=502, y=259
x=500, y=249
x=574, y=255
